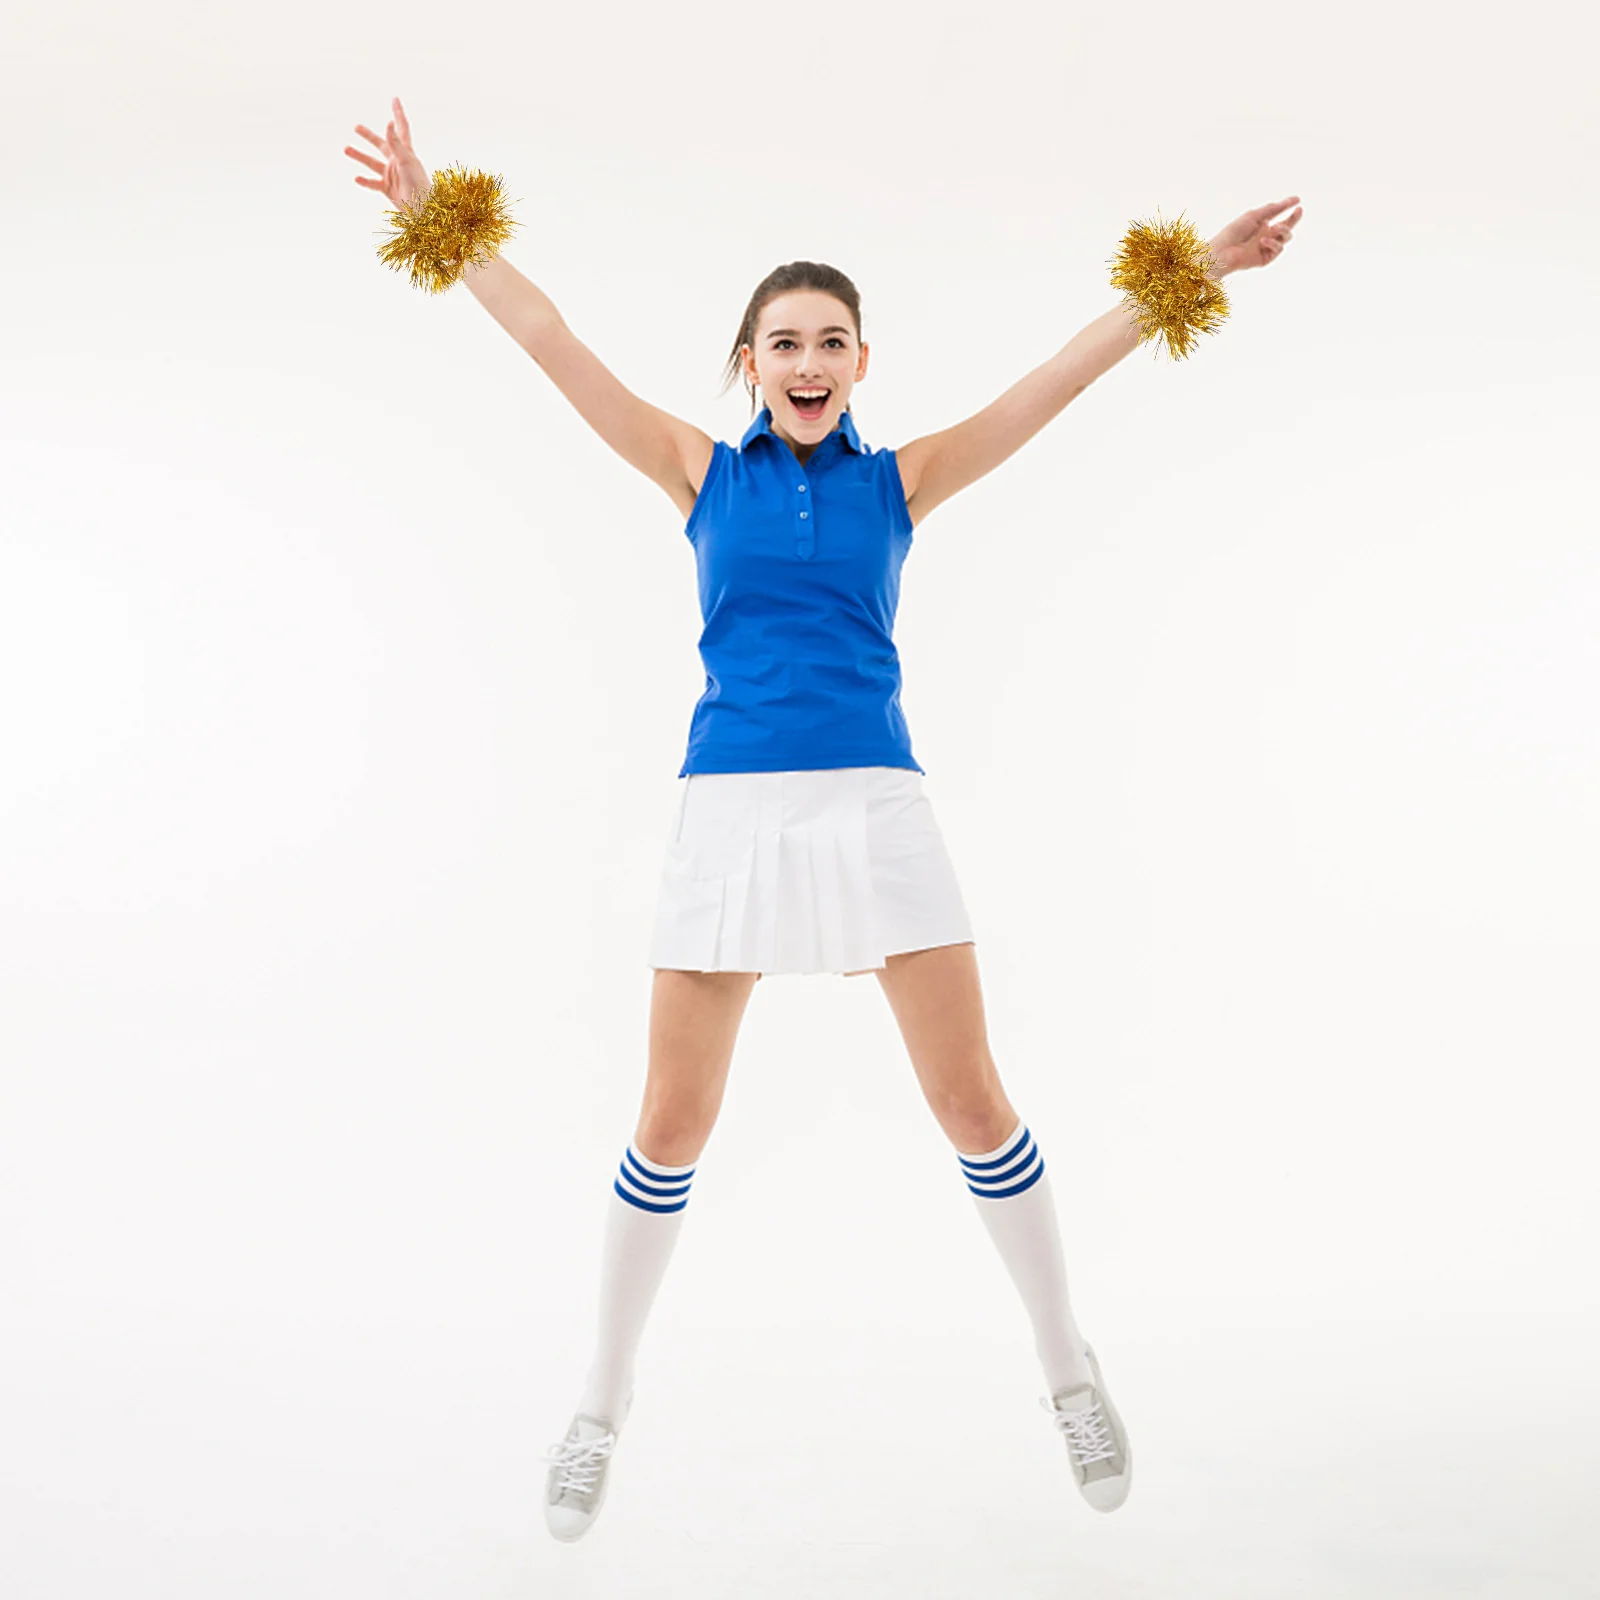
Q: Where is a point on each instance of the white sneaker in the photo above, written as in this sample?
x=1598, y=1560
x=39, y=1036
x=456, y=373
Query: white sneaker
x=579, y=1469
x=1097, y=1443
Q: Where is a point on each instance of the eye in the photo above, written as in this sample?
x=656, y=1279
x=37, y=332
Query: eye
x=833, y=339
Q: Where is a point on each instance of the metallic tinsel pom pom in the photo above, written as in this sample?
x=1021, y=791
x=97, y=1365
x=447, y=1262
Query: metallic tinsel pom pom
x=459, y=220
x=1162, y=267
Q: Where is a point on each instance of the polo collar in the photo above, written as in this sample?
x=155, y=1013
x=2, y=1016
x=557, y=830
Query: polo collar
x=846, y=429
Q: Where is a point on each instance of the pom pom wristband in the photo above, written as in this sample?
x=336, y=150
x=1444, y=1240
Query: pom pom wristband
x=1165, y=271
x=459, y=220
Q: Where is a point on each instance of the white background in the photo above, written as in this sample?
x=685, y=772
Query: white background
x=347, y=674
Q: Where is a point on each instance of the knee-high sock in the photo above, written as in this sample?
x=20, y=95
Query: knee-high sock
x=644, y=1219
x=1012, y=1193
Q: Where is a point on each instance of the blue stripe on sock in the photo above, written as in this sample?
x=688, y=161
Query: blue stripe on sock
x=1007, y=1174
x=1014, y=1164
x=652, y=1182
x=645, y=1205
x=640, y=1185
x=1016, y=1188
x=655, y=1169
x=1006, y=1153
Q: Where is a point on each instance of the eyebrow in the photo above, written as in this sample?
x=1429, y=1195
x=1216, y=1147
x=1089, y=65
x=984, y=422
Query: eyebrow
x=795, y=332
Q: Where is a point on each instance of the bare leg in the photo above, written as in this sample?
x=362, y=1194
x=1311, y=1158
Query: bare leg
x=938, y=1002
x=694, y=1022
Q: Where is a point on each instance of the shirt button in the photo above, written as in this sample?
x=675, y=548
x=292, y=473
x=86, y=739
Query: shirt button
x=802, y=488
x=805, y=514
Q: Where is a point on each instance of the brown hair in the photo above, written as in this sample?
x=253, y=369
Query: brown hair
x=781, y=280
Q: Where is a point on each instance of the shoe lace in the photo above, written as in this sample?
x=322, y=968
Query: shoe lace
x=580, y=1461
x=1087, y=1433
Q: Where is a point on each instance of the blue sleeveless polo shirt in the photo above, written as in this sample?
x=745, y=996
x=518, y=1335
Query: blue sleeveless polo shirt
x=799, y=582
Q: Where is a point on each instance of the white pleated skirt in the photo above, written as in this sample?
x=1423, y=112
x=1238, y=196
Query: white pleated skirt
x=825, y=871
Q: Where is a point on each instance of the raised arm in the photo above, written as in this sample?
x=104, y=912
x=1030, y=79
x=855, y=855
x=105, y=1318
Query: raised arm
x=939, y=465
x=667, y=450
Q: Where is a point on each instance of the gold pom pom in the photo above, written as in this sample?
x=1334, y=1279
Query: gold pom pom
x=1163, y=269
x=459, y=220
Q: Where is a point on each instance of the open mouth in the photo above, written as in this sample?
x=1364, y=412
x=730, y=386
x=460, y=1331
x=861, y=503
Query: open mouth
x=809, y=409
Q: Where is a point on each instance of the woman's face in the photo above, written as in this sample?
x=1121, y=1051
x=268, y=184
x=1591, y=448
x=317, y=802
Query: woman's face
x=805, y=340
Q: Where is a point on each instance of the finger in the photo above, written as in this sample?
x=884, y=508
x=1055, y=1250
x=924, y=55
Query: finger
x=1266, y=212
x=400, y=117
x=367, y=133
x=363, y=157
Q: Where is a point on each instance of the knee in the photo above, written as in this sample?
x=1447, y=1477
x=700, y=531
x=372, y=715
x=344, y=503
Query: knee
x=672, y=1140
x=974, y=1127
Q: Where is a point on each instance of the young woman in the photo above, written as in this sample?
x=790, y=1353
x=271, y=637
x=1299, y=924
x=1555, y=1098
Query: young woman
x=804, y=841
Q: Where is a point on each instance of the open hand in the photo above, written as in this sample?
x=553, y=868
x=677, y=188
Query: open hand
x=1255, y=239
x=404, y=176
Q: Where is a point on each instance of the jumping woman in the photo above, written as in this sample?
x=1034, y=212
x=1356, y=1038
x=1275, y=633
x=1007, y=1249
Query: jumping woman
x=803, y=840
